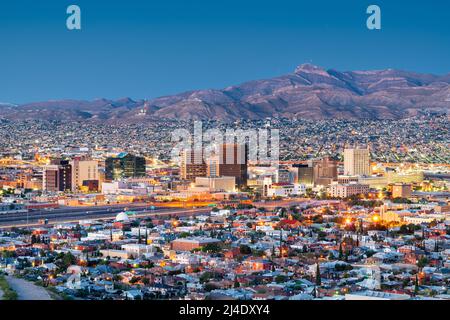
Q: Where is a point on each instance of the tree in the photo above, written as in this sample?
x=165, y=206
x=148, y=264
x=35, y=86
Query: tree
x=318, y=276
x=281, y=243
x=212, y=248
x=244, y=249
x=422, y=262
x=149, y=225
x=67, y=260
x=280, y=279
x=8, y=254
x=210, y=286
x=416, y=285
x=206, y=276
x=283, y=212
x=341, y=254
x=146, y=235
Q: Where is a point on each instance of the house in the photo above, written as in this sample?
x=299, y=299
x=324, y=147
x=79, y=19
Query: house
x=133, y=295
x=188, y=244
x=256, y=264
x=49, y=267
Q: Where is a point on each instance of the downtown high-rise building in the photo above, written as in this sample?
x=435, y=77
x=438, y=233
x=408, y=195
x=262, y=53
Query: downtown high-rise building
x=316, y=172
x=357, y=162
x=57, y=176
x=304, y=174
x=233, y=162
x=324, y=171
x=84, y=172
x=227, y=160
x=212, y=166
x=124, y=165
x=192, y=164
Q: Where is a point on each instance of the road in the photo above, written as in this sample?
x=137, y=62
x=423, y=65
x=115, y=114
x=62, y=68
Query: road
x=76, y=214
x=41, y=214
x=27, y=290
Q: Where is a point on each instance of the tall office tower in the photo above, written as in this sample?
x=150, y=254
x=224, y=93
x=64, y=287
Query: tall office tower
x=84, y=172
x=233, y=160
x=324, y=171
x=192, y=164
x=305, y=174
x=212, y=166
x=124, y=165
x=57, y=176
x=356, y=162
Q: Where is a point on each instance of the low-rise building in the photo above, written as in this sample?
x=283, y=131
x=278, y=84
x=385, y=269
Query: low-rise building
x=188, y=244
x=347, y=190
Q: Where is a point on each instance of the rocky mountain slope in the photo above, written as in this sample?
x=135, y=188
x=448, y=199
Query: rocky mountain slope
x=309, y=92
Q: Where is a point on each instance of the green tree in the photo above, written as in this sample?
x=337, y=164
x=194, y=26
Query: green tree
x=280, y=279
x=206, y=276
x=245, y=249
x=318, y=276
x=211, y=248
x=423, y=261
x=416, y=285
x=66, y=260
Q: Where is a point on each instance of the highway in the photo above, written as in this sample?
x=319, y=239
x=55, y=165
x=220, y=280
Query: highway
x=72, y=214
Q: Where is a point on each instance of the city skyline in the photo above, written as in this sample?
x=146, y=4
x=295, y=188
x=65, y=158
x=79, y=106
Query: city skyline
x=251, y=152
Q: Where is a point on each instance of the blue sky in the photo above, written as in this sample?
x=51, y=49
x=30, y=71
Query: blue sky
x=146, y=49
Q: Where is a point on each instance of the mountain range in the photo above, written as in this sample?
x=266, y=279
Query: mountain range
x=309, y=92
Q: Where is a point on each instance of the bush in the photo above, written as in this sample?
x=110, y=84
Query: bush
x=211, y=248
x=280, y=279
x=210, y=286
x=244, y=249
